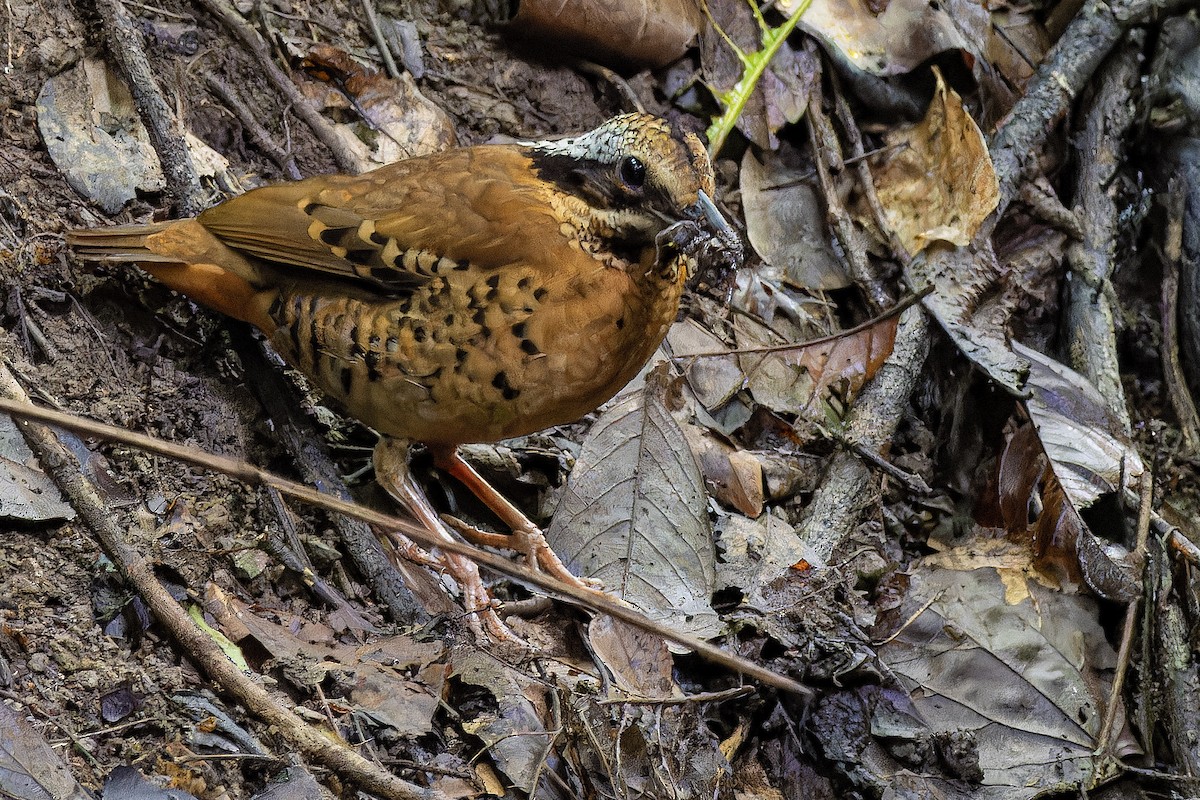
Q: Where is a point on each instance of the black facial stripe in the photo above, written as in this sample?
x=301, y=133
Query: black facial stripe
x=593, y=181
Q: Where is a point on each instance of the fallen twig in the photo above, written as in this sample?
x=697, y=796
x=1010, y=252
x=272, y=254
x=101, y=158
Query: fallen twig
x=250, y=474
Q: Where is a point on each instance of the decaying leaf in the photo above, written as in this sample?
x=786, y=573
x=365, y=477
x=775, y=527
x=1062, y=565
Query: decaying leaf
x=638, y=662
x=398, y=122
x=29, y=768
x=378, y=672
x=759, y=80
x=940, y=185
x=785, y=222
x=758, y=552
x=1087, y=444
x=635, y=514
x=514, y=733
x=1025, y=674
x=798, y=379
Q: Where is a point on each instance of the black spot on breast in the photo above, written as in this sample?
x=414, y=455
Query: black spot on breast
x=525, y=283
x=372, y=361
x=462, y=265
x=530, y=348
x=460, y=356
x=519, y=330
x=501, y=383
x=448, y=321
x=539, y=293
x=405, y=305
x=493, y=282
x=479, y=316
x=420, y=334
x=620, y=323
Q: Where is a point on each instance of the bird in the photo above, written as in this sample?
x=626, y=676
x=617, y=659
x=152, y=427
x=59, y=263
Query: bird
x=471, y=295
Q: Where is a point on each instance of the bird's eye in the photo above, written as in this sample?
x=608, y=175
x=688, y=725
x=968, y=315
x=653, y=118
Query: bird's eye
x=633, y=172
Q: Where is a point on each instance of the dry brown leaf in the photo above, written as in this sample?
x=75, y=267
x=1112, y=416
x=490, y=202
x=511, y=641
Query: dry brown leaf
x=635, y=514
x=940, y=185
x=638, y=661
x=621, y=33
x=798, y=379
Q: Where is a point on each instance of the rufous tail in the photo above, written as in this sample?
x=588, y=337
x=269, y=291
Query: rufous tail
x=187, y=258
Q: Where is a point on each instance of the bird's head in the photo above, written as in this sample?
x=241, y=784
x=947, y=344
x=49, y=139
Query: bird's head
x=638, y=175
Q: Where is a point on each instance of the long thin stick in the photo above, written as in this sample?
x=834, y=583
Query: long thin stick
x=248, y=473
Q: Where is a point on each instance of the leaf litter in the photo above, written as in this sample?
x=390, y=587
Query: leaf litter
x=981, y=670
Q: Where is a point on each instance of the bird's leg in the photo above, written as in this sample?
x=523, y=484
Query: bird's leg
x=525, y=538
x=391, y=471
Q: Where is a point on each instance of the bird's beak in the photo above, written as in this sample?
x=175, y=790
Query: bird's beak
x=705, y=207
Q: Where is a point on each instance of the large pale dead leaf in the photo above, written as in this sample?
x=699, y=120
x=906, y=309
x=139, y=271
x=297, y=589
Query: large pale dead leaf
x=26, y=493
x=94, y=136
x=29, y=767
x=939, y=183
x=890, y=38
x=785, y=222
x=1026, y=674
x=635, y=514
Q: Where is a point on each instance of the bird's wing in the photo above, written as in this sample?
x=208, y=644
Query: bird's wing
x=398, y=225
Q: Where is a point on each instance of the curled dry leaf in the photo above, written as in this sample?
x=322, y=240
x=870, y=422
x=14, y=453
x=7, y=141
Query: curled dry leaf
x=635, y=514
x=799, y=379
x=1032, y=501
x=734, y=477
x=1085, y=441
x=1075, y=451
x=621, y=33
x=398, y=121
x=940, y=185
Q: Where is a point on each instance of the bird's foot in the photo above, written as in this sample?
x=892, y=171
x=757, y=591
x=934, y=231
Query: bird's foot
x=528, y=540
